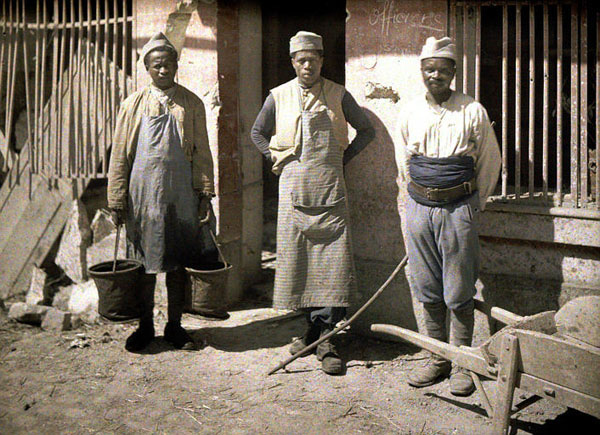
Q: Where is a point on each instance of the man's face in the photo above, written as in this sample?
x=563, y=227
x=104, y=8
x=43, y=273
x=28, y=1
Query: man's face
x=307, y=64
x=162, y=66
x=437, y=74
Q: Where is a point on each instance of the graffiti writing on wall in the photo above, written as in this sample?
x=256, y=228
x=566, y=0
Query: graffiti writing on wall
x=386, y=15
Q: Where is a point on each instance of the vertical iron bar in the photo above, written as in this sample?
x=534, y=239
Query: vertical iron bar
x=574, y=105
x=559, y=102
x=70, y=87
x=504, y=99
x=43, y=137
x=465, y=52
x=598, y=110
x=531, y=138
x=35, y=146
x=60, y=127
x=518, y=103
x=113, y=80
x=27, y=99
x=478, y=53
x=9, y=69
x=546, y=104
x=583, y=104
x=105, y=92
x=79, y=104
x=52, y=116
x=134, y=44
x=87, y=120
x=124, y=54
x=95, y=87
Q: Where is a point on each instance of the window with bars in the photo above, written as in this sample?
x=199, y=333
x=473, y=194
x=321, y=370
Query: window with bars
x=534, y=66
x=65, y=65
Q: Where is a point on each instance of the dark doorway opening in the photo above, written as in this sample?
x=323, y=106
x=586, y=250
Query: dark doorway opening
x=282, y=20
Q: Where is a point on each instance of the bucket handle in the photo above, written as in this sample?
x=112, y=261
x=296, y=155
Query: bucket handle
x=212, y=235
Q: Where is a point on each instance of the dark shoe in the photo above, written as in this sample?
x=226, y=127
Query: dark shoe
x=331, y=363
x=178, y=337
x=461, y=383
x=140, y=338
x=310, y=336
x=436, y=368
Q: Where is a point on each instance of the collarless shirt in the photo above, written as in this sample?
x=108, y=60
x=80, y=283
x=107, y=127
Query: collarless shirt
x=459, y=126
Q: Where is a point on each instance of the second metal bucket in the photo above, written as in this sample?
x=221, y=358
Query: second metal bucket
x=118, y=291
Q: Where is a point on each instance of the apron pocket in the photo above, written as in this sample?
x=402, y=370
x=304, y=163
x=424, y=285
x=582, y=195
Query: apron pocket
x=321, y=223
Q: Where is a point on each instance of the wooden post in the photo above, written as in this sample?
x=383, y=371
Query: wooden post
x=70, y=87
x=88, y=112
x=105, y=94
x=465, y=45
x=54, y=106
x=113, y=79
x=597, y=110
x=42, y=136
x=95, y=100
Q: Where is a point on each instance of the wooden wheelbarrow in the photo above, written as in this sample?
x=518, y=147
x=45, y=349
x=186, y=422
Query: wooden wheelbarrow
x=529, y=354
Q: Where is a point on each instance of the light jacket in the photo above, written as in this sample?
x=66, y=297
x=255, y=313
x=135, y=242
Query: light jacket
x=189, y=113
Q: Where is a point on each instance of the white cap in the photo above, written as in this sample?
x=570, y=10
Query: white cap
x=439, y=48
x=157, y=41
x=305, y=41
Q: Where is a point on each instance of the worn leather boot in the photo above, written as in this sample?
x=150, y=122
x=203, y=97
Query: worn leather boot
x=141, y=337
x=310, y=336
x=461, y=334
x=178, y=336
x=331, y=363
x=436, y=367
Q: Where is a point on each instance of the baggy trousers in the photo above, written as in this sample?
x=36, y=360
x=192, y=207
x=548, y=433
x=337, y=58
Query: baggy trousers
x=443, y=247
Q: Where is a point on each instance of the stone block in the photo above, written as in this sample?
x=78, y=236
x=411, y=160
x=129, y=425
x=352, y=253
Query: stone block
x=76, y=238
x=579, y=319
x=102, y=226
x=84, y=302
x=56, y=320
x=104, y=250
x=62, y=297
x=38, y=292
x=27, y=313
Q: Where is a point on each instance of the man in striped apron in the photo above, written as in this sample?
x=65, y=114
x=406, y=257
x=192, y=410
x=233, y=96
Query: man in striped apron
x=160, y=182
x=302, y=128
x=448, y=153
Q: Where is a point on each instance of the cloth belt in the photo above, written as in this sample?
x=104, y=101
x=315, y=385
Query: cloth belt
x=446, y=194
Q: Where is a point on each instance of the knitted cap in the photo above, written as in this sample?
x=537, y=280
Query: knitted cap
x=305, y=41
x=439, y=48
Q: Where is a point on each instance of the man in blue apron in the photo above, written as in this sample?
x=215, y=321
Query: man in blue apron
x=448, y=154
x=302, y=128
x=160, y=183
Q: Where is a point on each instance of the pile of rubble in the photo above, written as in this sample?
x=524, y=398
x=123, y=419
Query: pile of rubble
x=66, y=301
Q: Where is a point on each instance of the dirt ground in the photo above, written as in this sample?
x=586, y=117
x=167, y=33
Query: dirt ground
x=84, y=381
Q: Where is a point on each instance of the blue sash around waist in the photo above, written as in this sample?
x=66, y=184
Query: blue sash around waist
x=439, y=172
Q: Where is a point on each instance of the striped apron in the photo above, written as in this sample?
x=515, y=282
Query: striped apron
x=315, y=266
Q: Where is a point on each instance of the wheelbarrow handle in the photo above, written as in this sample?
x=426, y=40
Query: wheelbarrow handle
x=499, y=314
x=463, y=356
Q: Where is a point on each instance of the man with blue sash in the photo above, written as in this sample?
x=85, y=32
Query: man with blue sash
x=448, y=154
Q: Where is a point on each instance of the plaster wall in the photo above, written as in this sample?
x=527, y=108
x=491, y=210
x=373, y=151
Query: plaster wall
x=383, y=41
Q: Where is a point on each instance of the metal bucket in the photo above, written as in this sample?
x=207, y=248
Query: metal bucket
x=206, y=290
x=118, y=292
